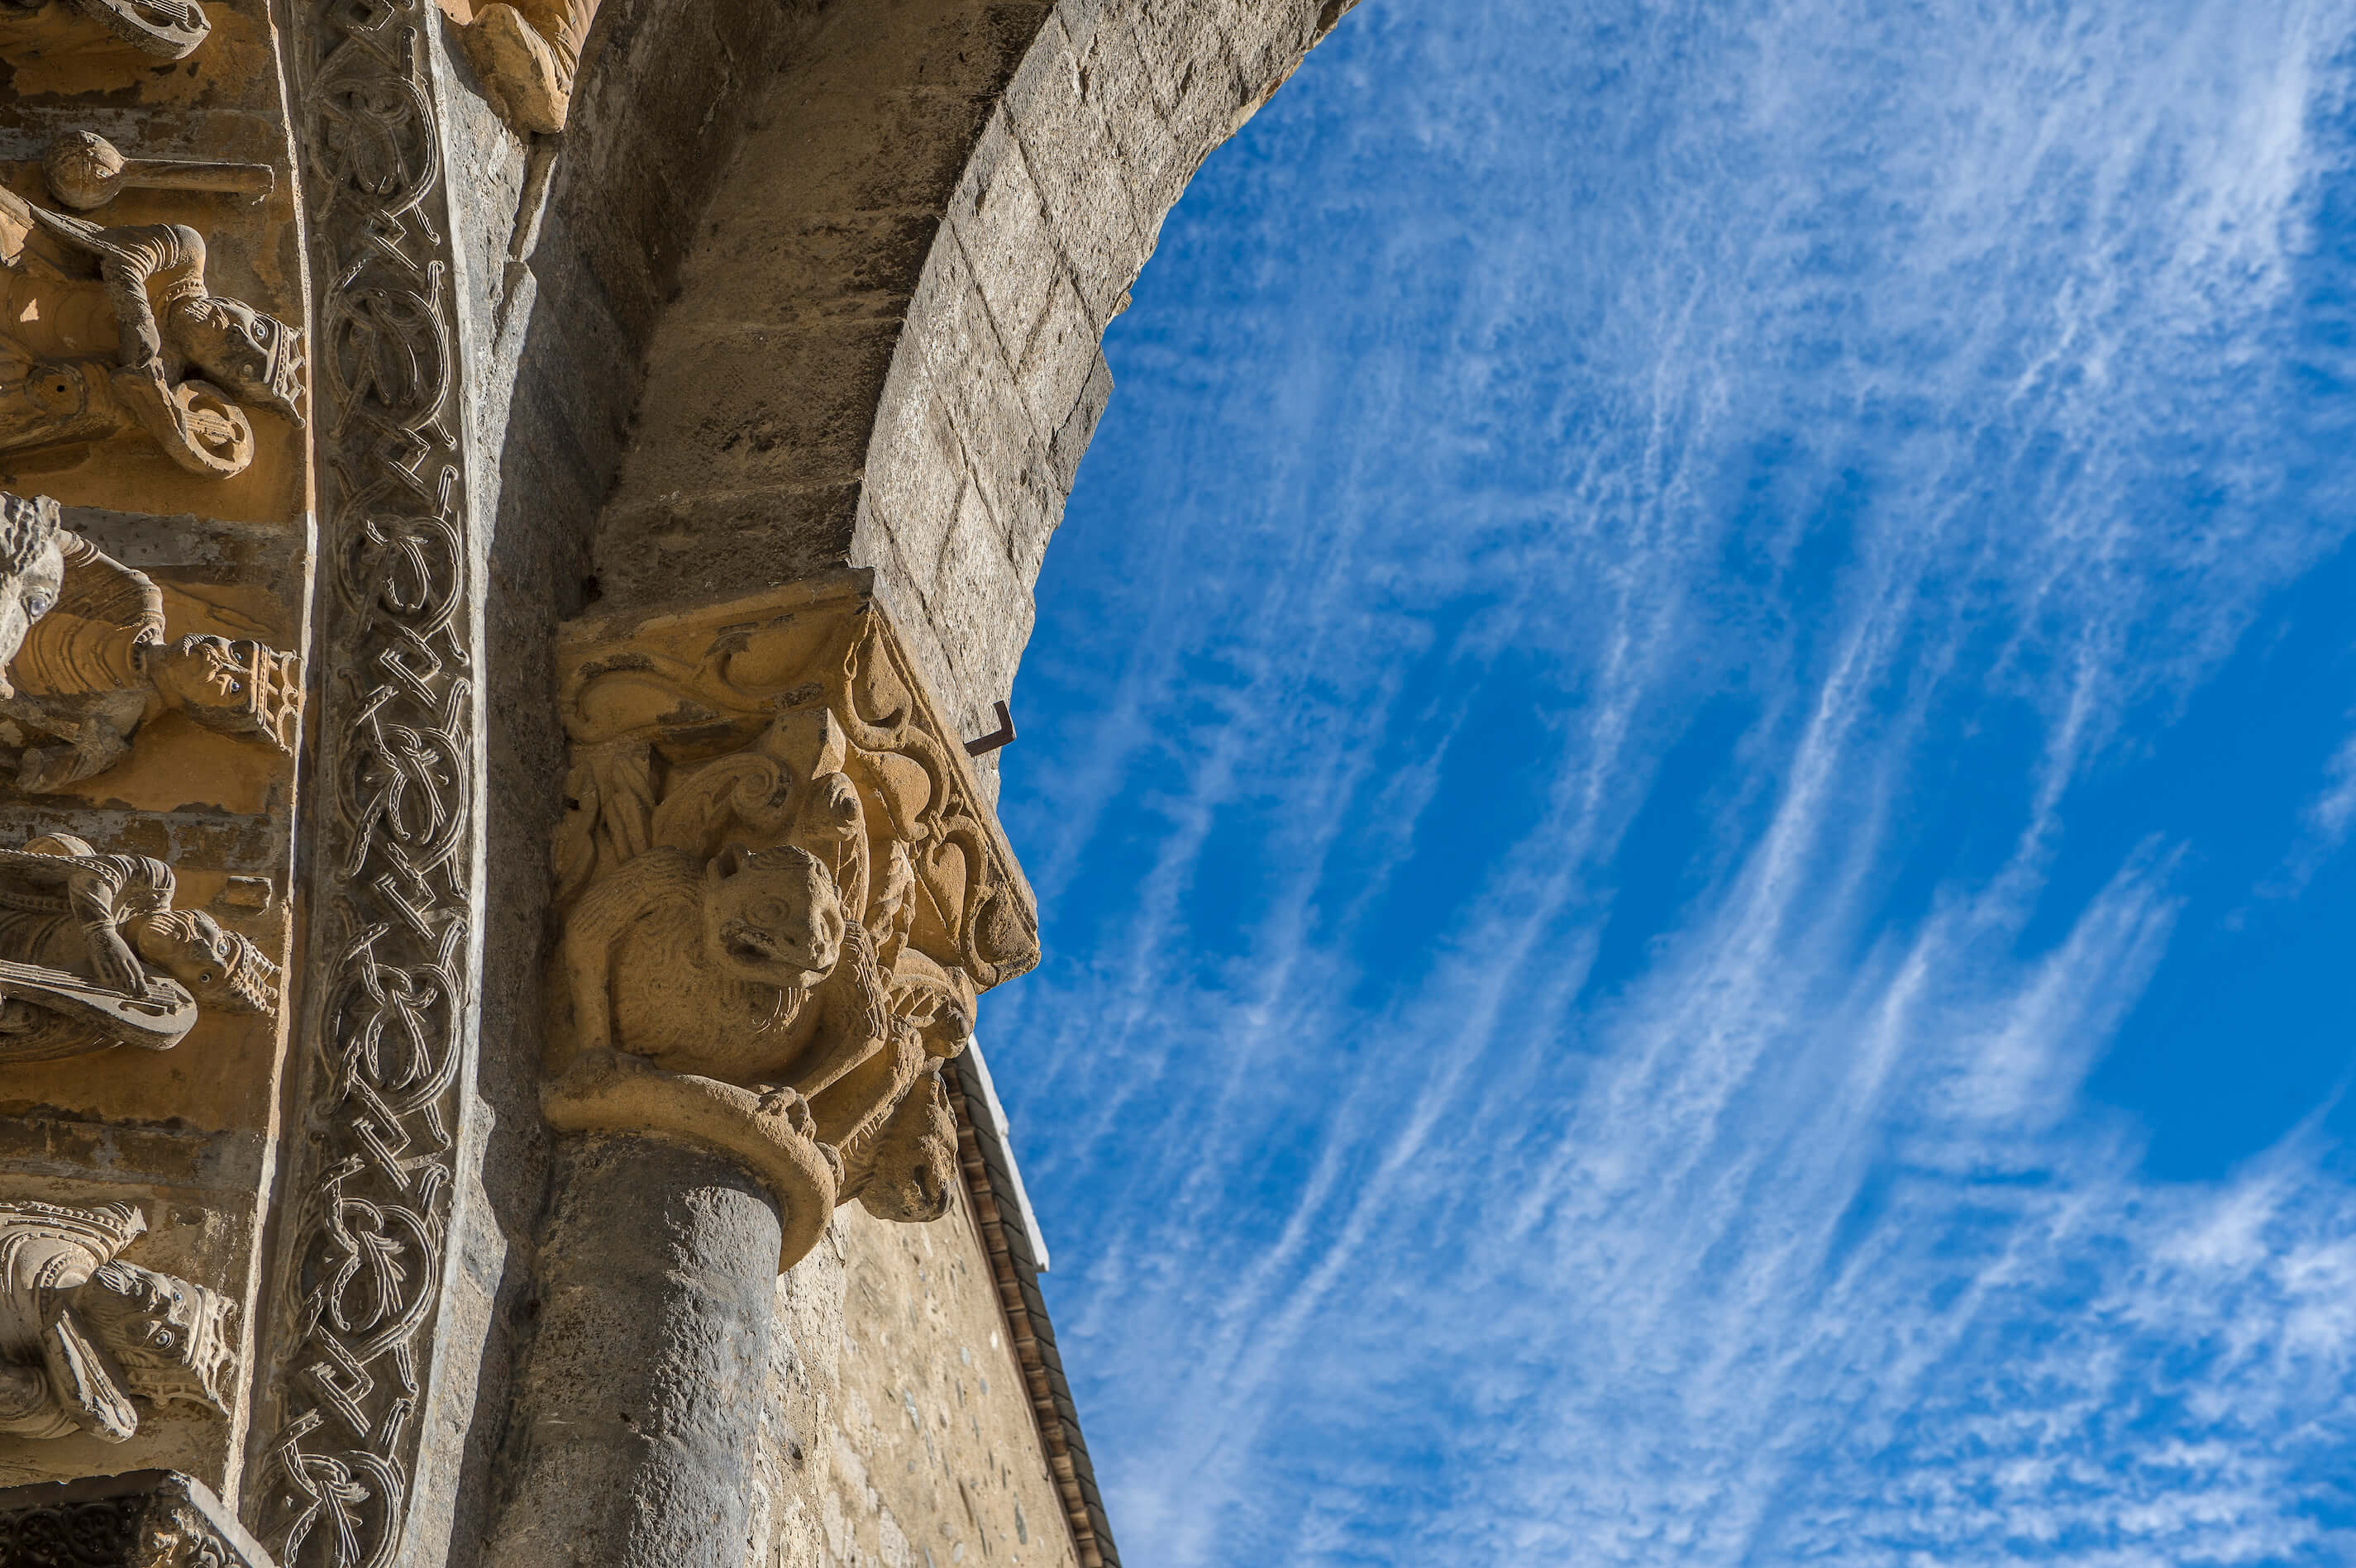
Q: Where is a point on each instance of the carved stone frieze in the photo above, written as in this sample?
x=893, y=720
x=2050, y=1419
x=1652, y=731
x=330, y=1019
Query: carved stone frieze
x=779, y=899
x=93, y=955
x=145, y=1518
x=86, y=658
x=104, y=326
x=87, y=1337
x=374, y=1148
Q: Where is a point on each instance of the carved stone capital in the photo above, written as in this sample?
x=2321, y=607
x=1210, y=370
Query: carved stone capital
x=780, y=893
x=145, y=1518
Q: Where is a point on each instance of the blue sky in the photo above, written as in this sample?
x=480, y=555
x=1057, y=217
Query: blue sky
x=1690, y=755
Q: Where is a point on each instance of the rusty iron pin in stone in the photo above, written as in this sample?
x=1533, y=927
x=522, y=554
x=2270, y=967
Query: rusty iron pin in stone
x=86, y=170
x=982, y=745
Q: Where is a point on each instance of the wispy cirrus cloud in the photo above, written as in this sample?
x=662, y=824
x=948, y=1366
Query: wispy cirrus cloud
x=1564, y=729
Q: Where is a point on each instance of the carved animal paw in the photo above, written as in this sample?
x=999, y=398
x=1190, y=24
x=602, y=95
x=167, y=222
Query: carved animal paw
x=795, y=1110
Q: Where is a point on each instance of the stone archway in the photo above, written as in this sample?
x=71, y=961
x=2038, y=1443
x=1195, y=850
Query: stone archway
x=869, y=333
x=850, y=267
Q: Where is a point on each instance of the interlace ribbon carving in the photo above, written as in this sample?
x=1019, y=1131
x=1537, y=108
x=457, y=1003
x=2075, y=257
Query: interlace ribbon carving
x=360, y=1275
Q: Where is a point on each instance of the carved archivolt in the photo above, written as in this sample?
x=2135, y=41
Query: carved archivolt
x=86, y=1338
x=375, y=1140
x=778, y=899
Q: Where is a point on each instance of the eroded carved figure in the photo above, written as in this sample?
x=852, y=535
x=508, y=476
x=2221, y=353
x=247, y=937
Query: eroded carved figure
x=32, y=571
x=88, y=659
x=527, y=55
x=103, y=327
x=140, y=32
x=86, y=1339
x=93, y=955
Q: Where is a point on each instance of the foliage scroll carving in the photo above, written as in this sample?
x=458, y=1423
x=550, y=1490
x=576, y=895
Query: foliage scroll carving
x=778, y=900
x=375, y=1152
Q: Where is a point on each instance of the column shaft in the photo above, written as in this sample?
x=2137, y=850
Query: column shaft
x=640, y=1402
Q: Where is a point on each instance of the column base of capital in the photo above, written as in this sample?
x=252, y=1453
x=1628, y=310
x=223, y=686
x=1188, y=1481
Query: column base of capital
x=773, y=1133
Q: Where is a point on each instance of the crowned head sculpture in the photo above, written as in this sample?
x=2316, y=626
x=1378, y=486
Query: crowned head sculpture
x=87, y=1338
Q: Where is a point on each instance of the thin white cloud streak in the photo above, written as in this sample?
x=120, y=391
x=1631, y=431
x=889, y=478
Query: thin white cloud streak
x=1800, y=1247
x=2329, y=819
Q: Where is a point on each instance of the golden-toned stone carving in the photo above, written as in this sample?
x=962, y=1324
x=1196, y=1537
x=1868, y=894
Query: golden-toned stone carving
x=86, y=170
x=93, y=660
x=527, y=55
x=86, y=1337
x=103, y=326
x=93, y=955
x=139, y=32
x=780, y=901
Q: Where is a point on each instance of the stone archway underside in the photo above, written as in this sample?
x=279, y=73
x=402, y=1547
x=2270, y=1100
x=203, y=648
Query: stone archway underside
x=851, y=266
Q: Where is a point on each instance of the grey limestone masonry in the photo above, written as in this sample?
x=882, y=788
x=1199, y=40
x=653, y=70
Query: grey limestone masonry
x=826, y=285
x=806, y=298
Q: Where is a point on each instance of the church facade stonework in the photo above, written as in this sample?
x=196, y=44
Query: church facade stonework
x=517, y=527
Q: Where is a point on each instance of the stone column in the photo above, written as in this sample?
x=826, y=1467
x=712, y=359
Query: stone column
x=777, y=899
x=640, y=1400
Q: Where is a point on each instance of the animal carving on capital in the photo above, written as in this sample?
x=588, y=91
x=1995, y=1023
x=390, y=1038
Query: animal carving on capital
x=722, y=967
x=104, y=326
x=777, y=905
x=724, y=974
